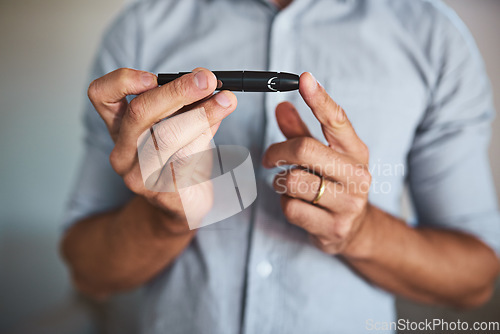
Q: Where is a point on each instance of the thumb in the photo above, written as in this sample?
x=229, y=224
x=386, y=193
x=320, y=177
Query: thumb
x=290, y=122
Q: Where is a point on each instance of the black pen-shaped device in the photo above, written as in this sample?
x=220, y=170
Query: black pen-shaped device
x=246, y=81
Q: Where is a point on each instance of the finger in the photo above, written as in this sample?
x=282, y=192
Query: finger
x=188, y=165
x=336, y=126
x=193, y=163
x=200, y=144
x=176, y=132
x=290, y=122
x=336, y=197
x=162, y=143
x=161, y=102
x=310, y=154
x=301, y=184
x=108, y=93
x=311, y=218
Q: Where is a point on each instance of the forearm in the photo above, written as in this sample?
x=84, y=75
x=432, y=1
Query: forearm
x=427, y=265
x=120, y=250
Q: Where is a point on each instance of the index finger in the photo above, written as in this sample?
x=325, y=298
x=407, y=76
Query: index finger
x=159, y=103
x=336, y=126
x=108, y=92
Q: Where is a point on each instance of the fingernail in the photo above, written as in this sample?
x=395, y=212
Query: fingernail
x=147, y=79
x=223, y=99
x=201, y=80
x=314, y=81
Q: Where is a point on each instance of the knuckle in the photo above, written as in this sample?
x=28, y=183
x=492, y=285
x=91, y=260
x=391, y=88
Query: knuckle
x=323, y=242
x=124, y=75
x=368, y=177
x=364, y=152
x=290, y=209
x=363, y=174
x=304, y=147
x=366, y=180
x=136, y=109
x=179, y=87
x=337, y=115
x=292, y=181
x=132, y=182
x=357, y=204
x=114, y=160
x=92, y=91
x=340, y=116
x=169, y=135
x=342, y=231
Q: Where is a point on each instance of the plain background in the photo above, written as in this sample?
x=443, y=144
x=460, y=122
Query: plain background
x=45, y=52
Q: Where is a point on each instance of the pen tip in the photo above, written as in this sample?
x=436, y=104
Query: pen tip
x=289, y=81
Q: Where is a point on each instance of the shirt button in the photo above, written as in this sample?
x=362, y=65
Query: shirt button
x=264, y=269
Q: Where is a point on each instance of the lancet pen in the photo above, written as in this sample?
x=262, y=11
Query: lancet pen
x=246, y=81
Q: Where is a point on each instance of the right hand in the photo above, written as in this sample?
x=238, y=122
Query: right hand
x=127, y=121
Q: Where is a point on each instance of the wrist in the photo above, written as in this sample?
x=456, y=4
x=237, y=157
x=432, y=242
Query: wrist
x=166, y=224
x=362, y=244
x=158, y=222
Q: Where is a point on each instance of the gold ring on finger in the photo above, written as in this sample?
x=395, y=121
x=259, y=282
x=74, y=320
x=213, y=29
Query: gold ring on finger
x=321, y=191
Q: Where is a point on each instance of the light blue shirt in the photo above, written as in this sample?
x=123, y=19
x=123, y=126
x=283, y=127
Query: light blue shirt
x=413, y=84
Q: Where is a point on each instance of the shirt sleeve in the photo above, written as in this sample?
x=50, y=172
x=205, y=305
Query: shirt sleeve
x=98, y=188
x=449, y=173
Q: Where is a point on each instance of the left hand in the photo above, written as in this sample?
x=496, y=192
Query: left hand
x=335, y=221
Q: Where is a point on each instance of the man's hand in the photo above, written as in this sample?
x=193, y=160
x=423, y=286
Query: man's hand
x=334, y=221
x=126, y=122
x=428, y=265
x=131, y=244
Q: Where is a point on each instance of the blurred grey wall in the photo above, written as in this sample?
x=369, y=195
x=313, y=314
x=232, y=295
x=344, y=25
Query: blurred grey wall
x=45, y=51
x=483, y=19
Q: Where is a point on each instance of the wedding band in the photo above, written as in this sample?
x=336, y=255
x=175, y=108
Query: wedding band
x=321, y=191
